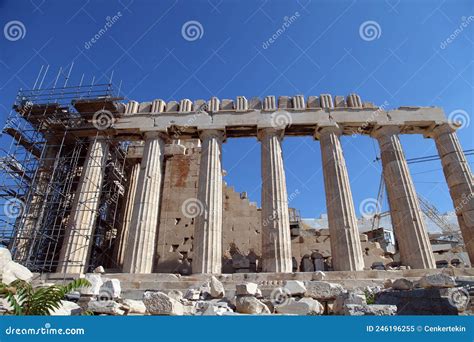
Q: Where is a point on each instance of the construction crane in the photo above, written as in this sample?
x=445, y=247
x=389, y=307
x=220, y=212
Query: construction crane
x=449, y=230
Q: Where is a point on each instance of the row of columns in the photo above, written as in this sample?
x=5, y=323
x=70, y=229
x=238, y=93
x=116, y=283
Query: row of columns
x=140, y=228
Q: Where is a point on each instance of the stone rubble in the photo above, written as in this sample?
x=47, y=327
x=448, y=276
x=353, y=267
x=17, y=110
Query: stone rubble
x=10, y=270
x=369, y=310
x=251, y=305
x=67, y=308
x=135, y=306
x=402, y=284
x=217, y=289
x=110, y=289
x=247, y=289
x=439, y=280
x=437, y=293
x=295, y=287
x=322, y=290
x=304, y=306
x=108, y=307
x=96, y=283
x=158, y=303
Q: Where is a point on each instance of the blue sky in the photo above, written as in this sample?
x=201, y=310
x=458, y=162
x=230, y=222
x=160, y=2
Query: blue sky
x=407, y=62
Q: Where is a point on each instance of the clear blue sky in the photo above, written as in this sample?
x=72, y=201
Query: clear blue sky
x=322, y=51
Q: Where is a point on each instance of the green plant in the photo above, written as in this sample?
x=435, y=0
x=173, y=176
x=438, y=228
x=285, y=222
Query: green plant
x=26, y=300
x=370, y=297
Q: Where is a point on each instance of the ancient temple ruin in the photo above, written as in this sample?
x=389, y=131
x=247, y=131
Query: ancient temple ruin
x=90, y=179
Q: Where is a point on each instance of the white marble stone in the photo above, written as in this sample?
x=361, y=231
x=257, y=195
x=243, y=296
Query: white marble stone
x=207, y=249
x=141, y=244
x=346, y=249
x=276, y=239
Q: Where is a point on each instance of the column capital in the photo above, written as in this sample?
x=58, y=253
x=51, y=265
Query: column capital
x=444, y=128
x=97, y=137
x=323, y=130
x=156, y=135
x=381, y=131
x=270, y=131
x=212, y=133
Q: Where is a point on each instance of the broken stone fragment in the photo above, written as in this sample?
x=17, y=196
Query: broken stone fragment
x=5, y=257
x=295, y=287
x=108, y=307
x=13, y=271
x=369, y=310
x=158, y=303
x=250, y=305
x=319, y=275
x=110, y=289
x=213, y=308
x=67, y=308
x=304, y=306
x=96, y=282
x=345, y=298
x=402, y=284
x=247, y=289
x=175, y=294
x=439, y=280
x=192, y=294
x=99, y=269
x=323, y=290
x=217, y=289
x=135, y=306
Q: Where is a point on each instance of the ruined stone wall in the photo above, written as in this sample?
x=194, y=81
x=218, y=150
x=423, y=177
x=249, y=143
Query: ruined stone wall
x=241, y=225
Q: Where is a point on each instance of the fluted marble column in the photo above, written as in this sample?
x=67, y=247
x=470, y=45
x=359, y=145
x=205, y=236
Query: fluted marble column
x=207, y=244
x=346, y=249
x=276, y=238
x=77, y=243
x=460, y=182
x=407, y=219
x=140, y=248
x=133, y=175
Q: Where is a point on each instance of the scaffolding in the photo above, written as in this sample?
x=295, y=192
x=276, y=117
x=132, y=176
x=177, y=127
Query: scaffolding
x=42, y=155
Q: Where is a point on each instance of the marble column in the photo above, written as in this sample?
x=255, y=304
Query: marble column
x=142, y=236
x=407, y=219
x=77, y=243
x=207, y=243
x=346, y=249
x=460, y=182
x=276, y=238
x=133, y=174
